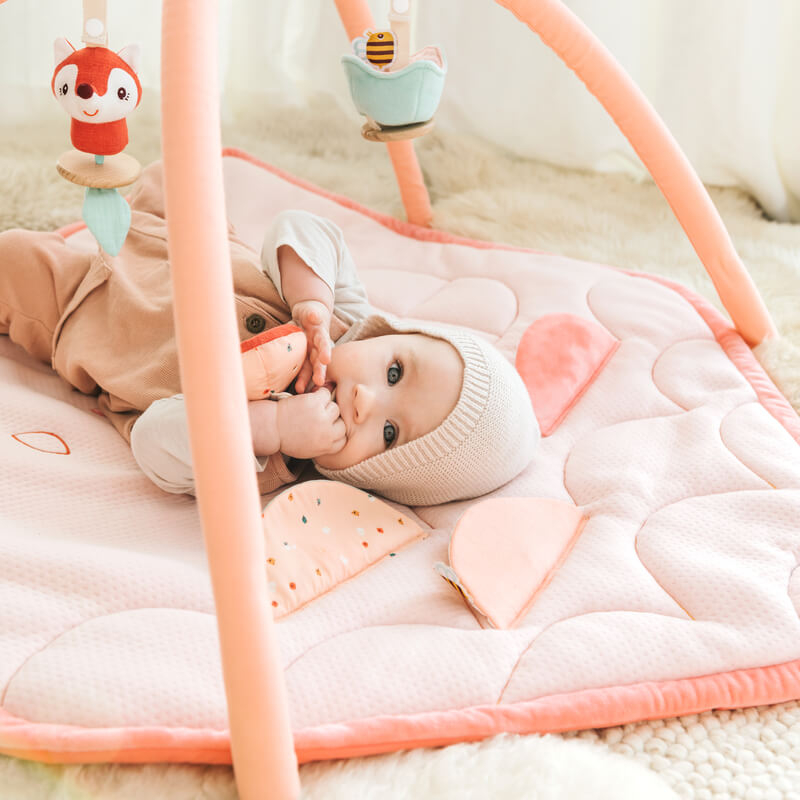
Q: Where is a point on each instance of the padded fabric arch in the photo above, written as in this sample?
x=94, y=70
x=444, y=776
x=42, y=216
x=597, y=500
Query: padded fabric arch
x=208, y=347
x=602, y=75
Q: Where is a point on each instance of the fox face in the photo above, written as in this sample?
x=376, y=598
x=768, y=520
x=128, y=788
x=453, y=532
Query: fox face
x=95, y=85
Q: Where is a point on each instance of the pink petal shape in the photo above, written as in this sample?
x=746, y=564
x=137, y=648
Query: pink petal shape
x=558, y=358
x=44, y=441
x=505, y=551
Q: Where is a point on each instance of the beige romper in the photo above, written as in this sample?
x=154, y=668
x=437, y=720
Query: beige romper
x=105, y=323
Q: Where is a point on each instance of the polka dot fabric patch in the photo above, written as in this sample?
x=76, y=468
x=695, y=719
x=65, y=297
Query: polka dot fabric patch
x=319, y=534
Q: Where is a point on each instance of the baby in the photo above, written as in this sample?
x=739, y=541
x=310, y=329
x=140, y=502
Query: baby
x=415, y=412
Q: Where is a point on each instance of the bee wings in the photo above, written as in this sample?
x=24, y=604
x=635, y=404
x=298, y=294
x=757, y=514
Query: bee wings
x=360, y=47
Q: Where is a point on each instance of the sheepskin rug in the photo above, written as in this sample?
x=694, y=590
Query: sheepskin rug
x=480, y=192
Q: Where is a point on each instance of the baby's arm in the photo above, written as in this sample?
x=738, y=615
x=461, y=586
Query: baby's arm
x=304, y=426
x=311, y=301
x=312, y=245
x=160, y=445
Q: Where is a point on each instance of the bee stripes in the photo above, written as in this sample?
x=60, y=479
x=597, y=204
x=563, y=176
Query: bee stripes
x=380, y=48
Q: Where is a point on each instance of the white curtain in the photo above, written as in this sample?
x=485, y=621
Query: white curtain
x=725, y=76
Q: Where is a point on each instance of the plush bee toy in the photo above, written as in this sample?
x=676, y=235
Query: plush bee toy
x=376, y=48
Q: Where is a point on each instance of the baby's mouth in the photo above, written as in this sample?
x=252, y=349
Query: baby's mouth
x=329, y=385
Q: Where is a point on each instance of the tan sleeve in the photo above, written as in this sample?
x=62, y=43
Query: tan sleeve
x=148, y=192
x=121, y=420
x=160, y=445
x=277, y=473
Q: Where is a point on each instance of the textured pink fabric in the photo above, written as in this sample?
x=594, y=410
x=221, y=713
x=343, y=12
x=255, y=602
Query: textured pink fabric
x=677, y=452
x=593, y=708
x=740, y=354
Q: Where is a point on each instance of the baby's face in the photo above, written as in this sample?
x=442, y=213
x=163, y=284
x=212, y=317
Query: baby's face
x=390, y=390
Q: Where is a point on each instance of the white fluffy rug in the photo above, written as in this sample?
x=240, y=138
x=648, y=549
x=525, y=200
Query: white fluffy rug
x=480, y=192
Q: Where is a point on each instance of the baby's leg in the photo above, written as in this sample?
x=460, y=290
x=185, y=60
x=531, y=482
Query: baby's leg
x=39, y=273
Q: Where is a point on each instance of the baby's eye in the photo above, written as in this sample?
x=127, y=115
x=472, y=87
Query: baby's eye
x=389, y=433
x=394, y=373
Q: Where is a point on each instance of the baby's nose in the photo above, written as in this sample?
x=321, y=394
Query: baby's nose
x=362, y=402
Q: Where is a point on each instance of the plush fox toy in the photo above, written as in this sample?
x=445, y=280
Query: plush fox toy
x=98, y=88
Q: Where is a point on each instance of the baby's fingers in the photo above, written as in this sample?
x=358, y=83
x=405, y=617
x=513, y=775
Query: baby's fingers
x=320, y=372
x=340, y=440
x=311, y=317
x=332, y=412
x=303, y=377
x=322, y=343
x=321, y=356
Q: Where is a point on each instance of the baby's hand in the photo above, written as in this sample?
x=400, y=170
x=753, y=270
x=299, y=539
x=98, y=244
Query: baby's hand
x=309, y=425
x=314, y=317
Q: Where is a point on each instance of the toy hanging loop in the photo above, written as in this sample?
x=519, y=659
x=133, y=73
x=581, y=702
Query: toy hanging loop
x=95, y=31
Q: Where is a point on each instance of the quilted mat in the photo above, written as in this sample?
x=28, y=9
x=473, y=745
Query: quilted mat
x=668, y=474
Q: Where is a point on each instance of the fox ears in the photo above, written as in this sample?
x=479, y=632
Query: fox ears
x=62, y=49
x=130, y=54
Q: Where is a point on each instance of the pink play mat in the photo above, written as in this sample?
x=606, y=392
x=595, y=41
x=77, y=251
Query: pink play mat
x=672, y=460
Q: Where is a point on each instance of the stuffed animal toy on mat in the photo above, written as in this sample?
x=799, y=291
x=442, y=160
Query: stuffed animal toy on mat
x=272, y=360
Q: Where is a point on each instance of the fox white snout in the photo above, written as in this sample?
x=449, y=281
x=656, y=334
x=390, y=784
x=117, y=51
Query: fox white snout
x=82, y=100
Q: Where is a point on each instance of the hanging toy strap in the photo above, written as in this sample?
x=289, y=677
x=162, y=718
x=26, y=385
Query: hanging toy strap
x=400, y=23
x=98, y=88
x=95, y=33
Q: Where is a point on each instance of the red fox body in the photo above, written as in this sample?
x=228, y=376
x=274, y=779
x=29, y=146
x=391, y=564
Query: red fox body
x=98, y=89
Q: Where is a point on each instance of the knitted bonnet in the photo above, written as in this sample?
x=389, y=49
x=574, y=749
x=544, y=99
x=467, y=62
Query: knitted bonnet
x=487, y=439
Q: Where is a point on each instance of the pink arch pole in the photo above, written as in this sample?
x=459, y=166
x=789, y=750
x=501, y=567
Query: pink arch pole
x=585, y=55
x=216, y=405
